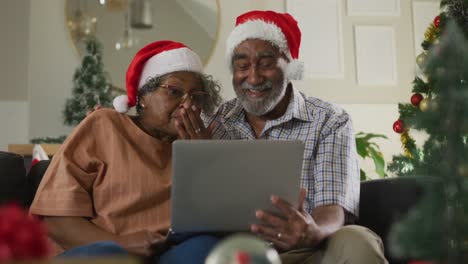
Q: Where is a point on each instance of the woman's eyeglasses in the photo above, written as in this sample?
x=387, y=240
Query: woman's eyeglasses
x=197, y=98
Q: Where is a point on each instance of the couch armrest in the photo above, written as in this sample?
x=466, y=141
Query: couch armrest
x=12, y=178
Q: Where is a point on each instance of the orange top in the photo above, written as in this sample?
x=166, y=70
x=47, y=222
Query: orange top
x=112, y=172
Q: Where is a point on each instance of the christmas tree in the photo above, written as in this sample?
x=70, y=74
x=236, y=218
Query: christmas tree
x=91, y=87
x=436, y=229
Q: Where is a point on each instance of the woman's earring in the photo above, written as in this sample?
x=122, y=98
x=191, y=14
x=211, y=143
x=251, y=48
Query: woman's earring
x=143, y=106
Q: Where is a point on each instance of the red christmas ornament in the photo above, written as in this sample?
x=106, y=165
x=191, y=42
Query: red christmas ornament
x=416, y=99
x=22, y=236
x=398, y=126
x=5, y=252
x=437, y=21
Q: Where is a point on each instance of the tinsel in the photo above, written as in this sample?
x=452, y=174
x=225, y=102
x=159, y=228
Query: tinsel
x=48, y=140
x=405, y=139
x=431, y=33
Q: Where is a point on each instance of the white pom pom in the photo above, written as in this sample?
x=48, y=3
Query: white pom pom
x=121, y=103
x=295, y=70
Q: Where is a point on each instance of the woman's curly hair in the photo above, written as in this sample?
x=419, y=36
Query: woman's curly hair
x=210, y=86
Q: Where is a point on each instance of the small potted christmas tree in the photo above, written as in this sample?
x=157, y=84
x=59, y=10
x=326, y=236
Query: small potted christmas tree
x=91, y=87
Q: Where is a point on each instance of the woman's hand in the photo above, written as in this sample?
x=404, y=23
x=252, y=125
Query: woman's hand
x=192, y=126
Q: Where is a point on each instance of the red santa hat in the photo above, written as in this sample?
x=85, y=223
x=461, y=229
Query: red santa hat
x=279, y=29
x=153, y=60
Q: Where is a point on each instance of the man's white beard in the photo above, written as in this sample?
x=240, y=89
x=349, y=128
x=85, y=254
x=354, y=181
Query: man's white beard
x=262, y=106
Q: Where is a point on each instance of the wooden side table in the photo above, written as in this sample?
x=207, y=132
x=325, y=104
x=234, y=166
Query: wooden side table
x=26, y=149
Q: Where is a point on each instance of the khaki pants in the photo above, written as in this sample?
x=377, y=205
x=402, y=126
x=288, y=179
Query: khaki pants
x=351, y=245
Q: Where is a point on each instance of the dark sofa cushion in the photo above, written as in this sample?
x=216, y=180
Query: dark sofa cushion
x=12, y=178
x=384, y=202
x=34, y=179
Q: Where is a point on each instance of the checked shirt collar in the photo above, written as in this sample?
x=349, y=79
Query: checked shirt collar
x=296, y=109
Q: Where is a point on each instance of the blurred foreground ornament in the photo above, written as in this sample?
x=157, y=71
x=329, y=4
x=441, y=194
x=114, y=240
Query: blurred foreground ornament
x=243, y=249
x=22, y=236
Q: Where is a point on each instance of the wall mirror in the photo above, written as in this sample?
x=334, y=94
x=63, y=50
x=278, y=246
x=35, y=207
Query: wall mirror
x=125, y=26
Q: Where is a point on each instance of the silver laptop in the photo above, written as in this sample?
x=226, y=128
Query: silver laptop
x=218, y=185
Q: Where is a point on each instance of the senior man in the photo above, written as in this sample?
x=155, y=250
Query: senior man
x=262, y=51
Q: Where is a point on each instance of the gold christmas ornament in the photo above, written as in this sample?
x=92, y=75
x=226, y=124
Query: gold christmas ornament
x=420, y=59
x=424, y=105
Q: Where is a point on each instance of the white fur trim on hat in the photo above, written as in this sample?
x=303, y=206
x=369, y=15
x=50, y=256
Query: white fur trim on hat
x=121, y=103
x=294, y=70
x=256, y=29
x=182, y=59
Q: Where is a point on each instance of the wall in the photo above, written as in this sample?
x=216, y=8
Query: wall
x=14, y=29
x=14, y=117
x=52, y=61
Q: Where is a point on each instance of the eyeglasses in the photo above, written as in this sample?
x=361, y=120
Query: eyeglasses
x=197, y=98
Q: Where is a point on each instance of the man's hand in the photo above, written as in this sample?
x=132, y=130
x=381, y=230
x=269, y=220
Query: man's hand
x=192, y=126
x=297, y=230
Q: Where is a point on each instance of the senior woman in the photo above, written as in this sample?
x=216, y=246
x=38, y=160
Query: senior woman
x=111, y=179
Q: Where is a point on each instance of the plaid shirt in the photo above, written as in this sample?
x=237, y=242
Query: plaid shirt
x=330, y=171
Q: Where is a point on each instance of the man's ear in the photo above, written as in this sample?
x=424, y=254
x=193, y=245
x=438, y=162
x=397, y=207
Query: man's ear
x=283, y=56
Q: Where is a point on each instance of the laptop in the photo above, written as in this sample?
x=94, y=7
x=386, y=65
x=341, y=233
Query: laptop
x=218, y=185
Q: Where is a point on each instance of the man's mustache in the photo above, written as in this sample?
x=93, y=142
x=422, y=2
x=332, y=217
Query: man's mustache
x=261, y=87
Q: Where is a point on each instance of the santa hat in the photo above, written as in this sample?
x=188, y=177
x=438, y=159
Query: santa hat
x=154, y=60
x=279, y=29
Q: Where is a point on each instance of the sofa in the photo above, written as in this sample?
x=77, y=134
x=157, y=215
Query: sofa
x=382, y=202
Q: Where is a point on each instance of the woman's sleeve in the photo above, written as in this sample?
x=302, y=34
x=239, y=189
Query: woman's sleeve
x=67, y=186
